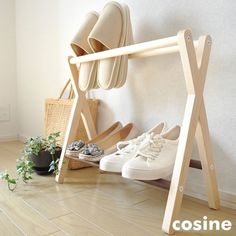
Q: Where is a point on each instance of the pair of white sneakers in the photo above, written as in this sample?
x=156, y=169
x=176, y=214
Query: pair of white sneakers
x=147, y=157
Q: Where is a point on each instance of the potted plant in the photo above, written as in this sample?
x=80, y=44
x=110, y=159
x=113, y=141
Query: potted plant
x=44, y=153
x=40, y=155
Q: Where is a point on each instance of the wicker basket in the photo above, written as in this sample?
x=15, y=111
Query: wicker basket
x=57, y=113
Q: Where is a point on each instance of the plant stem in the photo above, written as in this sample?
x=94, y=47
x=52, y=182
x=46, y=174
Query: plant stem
x=10, y=187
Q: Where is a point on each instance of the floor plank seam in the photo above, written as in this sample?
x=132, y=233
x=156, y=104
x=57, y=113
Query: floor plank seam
x=135, y=204
x=39, y=213
x=61, y=230
x=67, y=198
x=54, y=201
x=53, y=218
x=85, y=219
x=126, y=205
x=56, y=233
x=130, y=222
x=64, y=198
x=97, y=226
x=114, y=198
x=20, y=229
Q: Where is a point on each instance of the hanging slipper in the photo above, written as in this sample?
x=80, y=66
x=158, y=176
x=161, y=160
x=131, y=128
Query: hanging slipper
x=128, y=41
x=107, y=133
x=112, y=30
x=79, y=44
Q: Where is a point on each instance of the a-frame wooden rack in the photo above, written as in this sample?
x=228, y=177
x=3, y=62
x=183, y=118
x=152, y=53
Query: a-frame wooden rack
x=194, y=57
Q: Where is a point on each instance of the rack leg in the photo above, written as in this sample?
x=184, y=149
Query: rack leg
x=88, y=121
x=72, y=127
x=206, y=157
x=195, y=65
x=181, y=167
x=80, y=107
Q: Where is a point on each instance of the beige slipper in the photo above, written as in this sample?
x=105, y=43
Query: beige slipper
x=79, y=44
x=76, y=147
x=112, y=30
x=95, y=152
x=116, y=127
x=128, y=41
x=128, y=132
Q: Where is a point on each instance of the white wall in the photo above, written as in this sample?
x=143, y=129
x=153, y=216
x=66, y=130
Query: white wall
x=8, y=129
x=38, y=61
x=155, y=89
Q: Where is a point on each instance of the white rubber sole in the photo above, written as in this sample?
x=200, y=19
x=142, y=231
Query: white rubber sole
x=109, y=167
x=131, y=173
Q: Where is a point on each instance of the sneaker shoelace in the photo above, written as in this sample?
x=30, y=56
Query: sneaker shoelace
x=131, y=145
x=151, y=146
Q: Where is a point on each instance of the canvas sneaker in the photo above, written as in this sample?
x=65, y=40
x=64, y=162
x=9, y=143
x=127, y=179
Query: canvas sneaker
x=126, y=150
x=155, y=157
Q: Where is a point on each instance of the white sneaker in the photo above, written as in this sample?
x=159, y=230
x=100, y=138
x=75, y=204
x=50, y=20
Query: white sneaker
x=155, y=157
x=126, y=151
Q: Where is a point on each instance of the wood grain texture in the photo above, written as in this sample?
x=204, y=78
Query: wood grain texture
x=27, y=218
x=97, y=204
x=75, y=225
x=59, y=233
x=104, y=219
x=46, y=206
x=8, y=228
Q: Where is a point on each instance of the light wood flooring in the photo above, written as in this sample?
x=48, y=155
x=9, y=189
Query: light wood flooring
x=90, y=203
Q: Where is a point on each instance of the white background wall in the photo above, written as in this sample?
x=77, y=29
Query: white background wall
x=8, y=129
x=155, y=89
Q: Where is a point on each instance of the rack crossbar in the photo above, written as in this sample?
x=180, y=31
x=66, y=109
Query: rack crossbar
x=128, y=50
x=158, y=51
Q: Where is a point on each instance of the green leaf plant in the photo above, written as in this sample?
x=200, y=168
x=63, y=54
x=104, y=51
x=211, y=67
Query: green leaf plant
x=24, y=167
x=11, y=182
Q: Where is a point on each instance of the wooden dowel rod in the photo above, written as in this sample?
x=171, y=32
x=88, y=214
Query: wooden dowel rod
x=195, y=164
x=140, y=47
x=155, y=52
x=146, y=53
x=161, y=183
x=158, y=51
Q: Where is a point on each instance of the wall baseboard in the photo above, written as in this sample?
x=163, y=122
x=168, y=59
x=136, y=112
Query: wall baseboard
x=8, y=138
x=22, y=138
x=227, y=199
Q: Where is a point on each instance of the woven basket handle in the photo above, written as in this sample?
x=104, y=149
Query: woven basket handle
x=71, y=93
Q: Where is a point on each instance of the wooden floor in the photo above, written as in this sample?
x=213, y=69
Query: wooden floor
x=90, y=203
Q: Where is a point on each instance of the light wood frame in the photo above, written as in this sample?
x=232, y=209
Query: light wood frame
x=194, y=58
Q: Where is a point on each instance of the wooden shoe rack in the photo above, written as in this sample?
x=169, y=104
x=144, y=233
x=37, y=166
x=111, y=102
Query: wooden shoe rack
x=194, y=57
